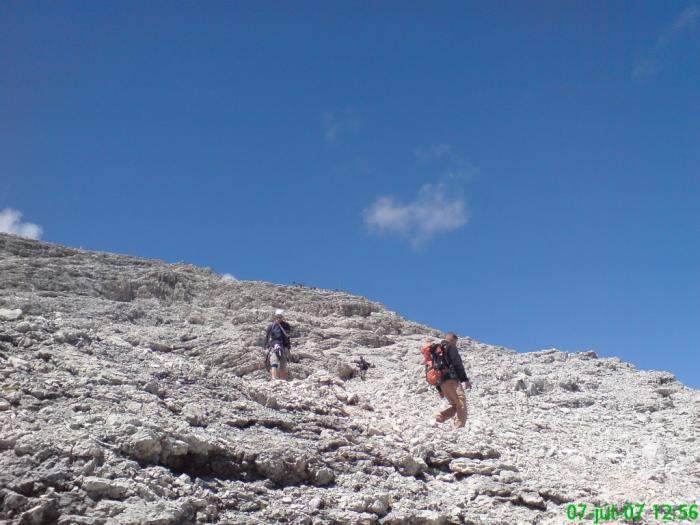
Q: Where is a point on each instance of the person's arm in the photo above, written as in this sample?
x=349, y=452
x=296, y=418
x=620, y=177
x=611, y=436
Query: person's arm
x=267, y=335
x=288, y=337
x=456, y=360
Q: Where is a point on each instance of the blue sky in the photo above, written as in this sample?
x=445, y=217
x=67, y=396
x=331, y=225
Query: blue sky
x=526, y=173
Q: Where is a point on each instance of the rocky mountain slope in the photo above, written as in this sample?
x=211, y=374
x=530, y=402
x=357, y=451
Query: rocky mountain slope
x=133, y=392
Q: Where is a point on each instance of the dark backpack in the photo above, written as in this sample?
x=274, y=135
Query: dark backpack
x=438, y=357
x=437, y=362
x=278, y=333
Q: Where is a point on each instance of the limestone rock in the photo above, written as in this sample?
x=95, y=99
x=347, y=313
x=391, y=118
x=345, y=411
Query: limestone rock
x=135, y=392
x=7, y=314
x=105, y=488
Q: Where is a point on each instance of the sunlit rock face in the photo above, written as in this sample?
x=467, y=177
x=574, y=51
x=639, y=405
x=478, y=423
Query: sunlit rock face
x=134, y=392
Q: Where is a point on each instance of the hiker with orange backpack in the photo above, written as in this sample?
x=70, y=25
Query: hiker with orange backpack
x=444, y=369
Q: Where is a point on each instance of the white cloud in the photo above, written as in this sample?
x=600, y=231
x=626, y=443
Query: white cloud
x=434, y=211
x=11, y=222
x=228, y=277
x=337, y=123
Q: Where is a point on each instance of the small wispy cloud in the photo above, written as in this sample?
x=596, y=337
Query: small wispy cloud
x=228, y=277
x=687, y=20
x=645, y=67
x=454, y=164
x=11, y=222
x=437, y=208
x=338, y=123
x=649, y=65
x=434, y=211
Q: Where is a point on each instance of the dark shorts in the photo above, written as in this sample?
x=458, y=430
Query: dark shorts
x=278, y=357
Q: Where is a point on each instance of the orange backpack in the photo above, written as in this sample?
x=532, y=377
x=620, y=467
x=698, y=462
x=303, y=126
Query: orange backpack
x=435, y=361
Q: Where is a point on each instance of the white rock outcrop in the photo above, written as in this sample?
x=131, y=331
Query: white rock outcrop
x=133, y=392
